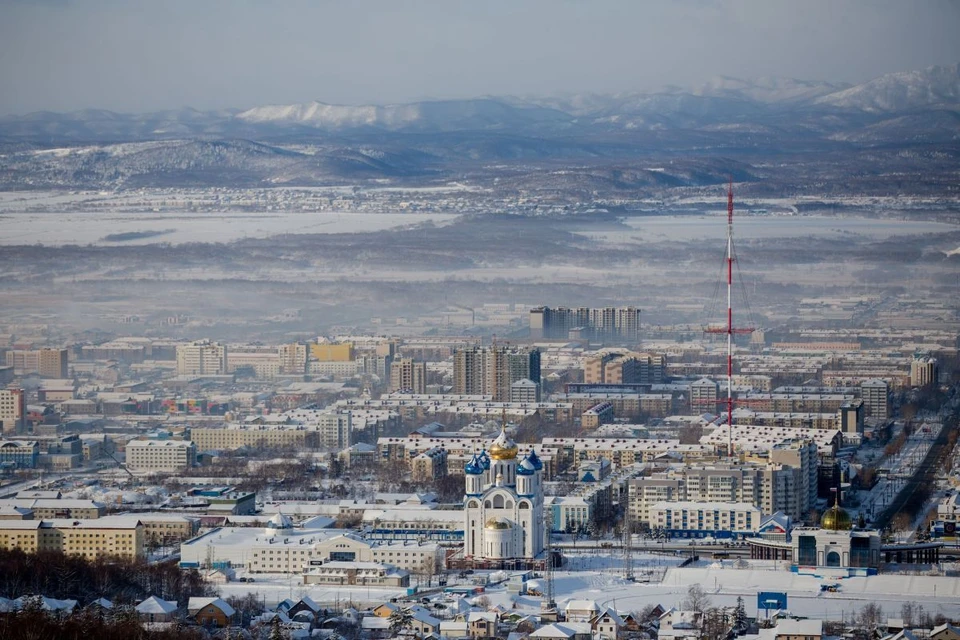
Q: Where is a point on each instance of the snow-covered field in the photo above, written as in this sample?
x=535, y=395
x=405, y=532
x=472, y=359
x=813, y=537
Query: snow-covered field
x=54, y=229
x=599, y=576
x=652, y=229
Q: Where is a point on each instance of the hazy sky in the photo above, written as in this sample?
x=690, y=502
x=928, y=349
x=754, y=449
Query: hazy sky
x=133, y=55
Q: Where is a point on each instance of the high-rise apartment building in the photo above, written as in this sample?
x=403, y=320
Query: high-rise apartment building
x=334, y=430
x=408, y=376
x=876, y=400
x=923, y=371
x=293, y=358
x=12, y=411
x=201, y=358
x=48, y=363
x=492, y=370
x=613, y=325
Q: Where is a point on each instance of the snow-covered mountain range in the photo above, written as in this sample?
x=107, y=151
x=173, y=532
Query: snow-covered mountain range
x=712, y=127
x=721, y=101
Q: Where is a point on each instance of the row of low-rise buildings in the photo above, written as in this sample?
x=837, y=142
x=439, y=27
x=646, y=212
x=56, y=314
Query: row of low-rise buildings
x=300, y=428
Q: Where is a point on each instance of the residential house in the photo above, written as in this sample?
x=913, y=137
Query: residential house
x=945, y=632
x=210, y=612
x=607, y=625
x=422, y=623
x=302, y=610
x=798, y=630
x=482, y=624
x=680, y=625
x=153, y=609
x=581, y=610
x=564, y=631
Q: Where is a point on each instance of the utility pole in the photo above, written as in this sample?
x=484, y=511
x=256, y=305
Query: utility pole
x=627, y=550
x=548, y=604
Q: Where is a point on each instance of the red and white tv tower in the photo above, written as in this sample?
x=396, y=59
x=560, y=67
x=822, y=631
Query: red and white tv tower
x=730, y=330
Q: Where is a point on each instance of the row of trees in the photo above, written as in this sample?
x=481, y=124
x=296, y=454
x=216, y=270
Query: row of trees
x=32, y=623
x=56, y=575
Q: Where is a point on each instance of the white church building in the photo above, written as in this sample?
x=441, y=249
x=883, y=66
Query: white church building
x=503, y=504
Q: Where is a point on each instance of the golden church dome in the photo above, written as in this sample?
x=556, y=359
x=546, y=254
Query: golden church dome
x=503, y=448
x=836, y=519
x=497, y=523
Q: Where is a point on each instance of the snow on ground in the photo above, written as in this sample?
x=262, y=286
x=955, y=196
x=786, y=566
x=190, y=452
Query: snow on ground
x=273, y=589
x=938, y=594
x=55, y=229
x=598, y=576
x=647, y=229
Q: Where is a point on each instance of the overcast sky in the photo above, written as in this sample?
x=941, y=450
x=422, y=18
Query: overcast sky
x=133, y=55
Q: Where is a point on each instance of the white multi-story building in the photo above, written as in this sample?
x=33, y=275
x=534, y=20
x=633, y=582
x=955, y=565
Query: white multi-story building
x=201, y=358
x=701, y=519
x=282, y=548
x=333, y=430
x=160, y=455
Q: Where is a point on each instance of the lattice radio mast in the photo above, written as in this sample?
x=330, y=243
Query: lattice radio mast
x=730, y=330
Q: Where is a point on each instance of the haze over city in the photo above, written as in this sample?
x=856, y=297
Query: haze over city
x=606, y=321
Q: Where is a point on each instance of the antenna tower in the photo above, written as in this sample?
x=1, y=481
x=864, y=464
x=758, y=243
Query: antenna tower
x=729, y=329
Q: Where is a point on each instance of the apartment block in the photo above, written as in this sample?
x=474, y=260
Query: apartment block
x=429, y=465
x=876, y=398
x=491, y=371
x=256, y=436
x=768, y=487
x=201, y=358
x=104, y=537
x=700, y=519
x=334, y=430
x=161, y=455
x=408, y=376
x=293, y=358
x=263, y=362
x=703, y=396
x=525, y=391
x=615, y=325
x=48, y=363
x=924, y=371
x=12, y=411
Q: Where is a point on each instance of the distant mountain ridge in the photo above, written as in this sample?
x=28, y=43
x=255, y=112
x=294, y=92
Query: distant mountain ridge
x=698, y=136
x=719, y=101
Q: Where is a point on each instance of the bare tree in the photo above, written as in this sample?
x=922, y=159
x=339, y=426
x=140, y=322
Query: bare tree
x=697, y=599
x=870, y=616
x=908, y=613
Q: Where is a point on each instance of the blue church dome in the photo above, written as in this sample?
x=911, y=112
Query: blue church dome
x=535, y=460
x=484, y=460
x=474, y=467
x=526, y=468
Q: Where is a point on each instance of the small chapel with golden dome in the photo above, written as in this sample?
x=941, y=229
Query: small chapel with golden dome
x=503, y=503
